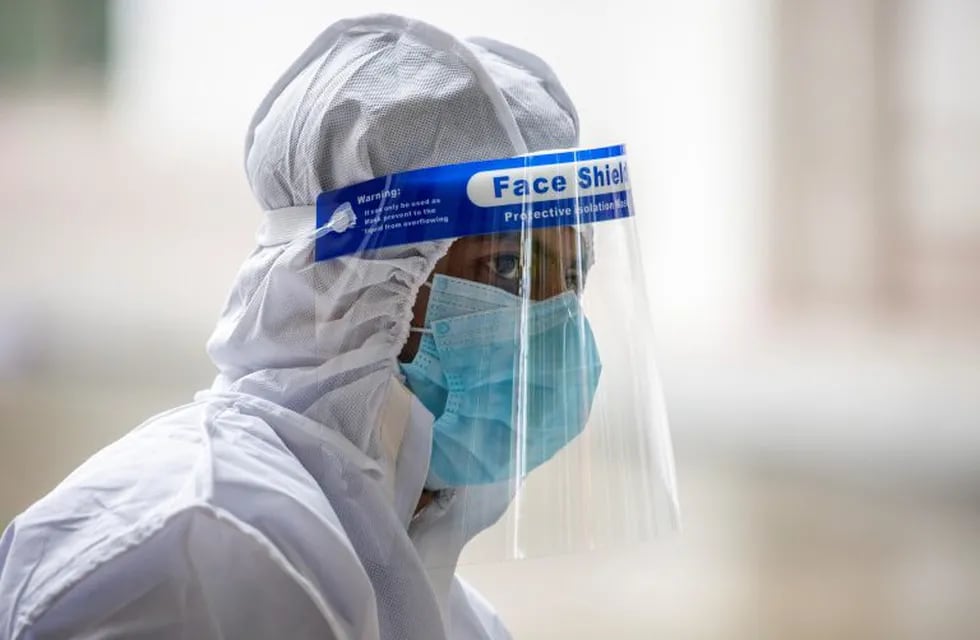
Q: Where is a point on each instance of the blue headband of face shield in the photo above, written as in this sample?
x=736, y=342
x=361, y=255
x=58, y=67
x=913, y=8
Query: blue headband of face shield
x=555, y=189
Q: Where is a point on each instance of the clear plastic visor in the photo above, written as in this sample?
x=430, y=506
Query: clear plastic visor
x=535, y=358
x=531, y=347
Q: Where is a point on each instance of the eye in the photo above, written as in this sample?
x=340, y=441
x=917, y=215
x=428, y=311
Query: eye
x=506, y=266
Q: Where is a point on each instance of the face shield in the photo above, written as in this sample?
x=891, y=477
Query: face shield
x=530, y=346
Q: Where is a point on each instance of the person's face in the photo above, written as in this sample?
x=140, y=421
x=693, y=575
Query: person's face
x=554, y=262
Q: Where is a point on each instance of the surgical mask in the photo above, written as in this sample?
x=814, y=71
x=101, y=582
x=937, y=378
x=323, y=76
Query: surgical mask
x=510, y=382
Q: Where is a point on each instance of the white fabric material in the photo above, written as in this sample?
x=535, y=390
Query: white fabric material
x=274, y=502
x=212, y=521
x=283, y=226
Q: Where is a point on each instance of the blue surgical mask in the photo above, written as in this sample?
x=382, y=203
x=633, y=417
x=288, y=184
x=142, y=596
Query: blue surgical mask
x=501, y=410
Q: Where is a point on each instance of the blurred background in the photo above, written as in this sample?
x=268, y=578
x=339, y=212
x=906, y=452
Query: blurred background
x=807, y=175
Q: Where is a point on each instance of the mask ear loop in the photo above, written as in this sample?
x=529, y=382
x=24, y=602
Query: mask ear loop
x=427, y=283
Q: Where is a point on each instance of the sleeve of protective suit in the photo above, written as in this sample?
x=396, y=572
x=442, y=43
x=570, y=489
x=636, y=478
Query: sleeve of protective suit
x=221, y=580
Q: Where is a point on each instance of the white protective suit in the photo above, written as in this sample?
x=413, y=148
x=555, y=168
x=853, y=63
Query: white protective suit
x=280, y=503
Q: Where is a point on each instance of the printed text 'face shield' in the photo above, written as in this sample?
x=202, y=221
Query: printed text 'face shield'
x=530, y=346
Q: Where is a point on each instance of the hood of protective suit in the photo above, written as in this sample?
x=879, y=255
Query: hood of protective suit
x=370, y=97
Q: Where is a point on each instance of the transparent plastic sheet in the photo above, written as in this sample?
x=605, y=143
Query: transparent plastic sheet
x=531, y=346
x=613, y=483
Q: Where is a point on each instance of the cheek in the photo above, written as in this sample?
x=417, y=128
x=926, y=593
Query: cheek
x=418, y=309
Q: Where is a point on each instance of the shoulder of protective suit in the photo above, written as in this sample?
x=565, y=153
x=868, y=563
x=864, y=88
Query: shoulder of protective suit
x=170, y=526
